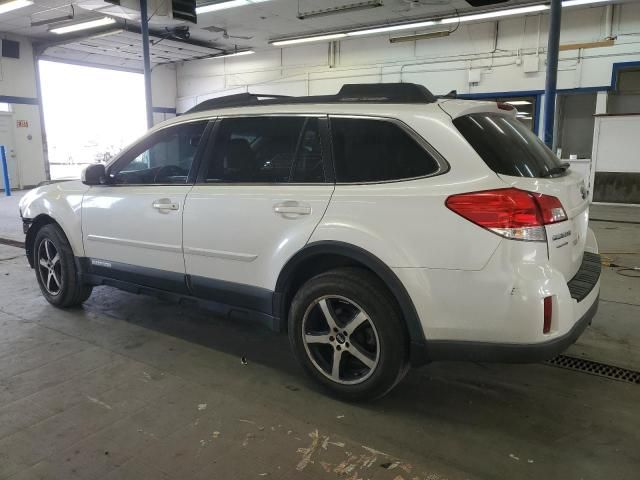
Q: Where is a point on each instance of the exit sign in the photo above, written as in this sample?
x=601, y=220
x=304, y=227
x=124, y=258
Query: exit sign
x=22, y=124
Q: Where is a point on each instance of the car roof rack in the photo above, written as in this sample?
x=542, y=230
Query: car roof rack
x=349, y=93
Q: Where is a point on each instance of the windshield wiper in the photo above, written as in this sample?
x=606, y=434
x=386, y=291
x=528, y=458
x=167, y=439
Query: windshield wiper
x=555, y=171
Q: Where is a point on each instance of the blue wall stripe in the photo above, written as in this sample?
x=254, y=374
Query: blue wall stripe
x=19, y=100
x=164, y=110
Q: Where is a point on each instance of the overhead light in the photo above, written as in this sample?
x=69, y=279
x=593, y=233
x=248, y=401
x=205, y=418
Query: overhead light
x=394, y=28
x=47, y=21
x=496, y=14
x=350, y=7
x=575, y=3
x=518, y=102
x=14, y=5
x=108, y=33
x=427, y=23
x=420, y=36
x=524, y=118
x=223, y=5
x=234, y=54
x=101, y=22
x=318, y=38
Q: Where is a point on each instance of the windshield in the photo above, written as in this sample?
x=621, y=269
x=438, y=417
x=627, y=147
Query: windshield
x=507, y=146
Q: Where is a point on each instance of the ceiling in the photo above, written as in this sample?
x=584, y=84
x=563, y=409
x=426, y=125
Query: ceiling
x=216, y=32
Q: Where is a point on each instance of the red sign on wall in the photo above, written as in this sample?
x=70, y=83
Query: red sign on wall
x=22, y=124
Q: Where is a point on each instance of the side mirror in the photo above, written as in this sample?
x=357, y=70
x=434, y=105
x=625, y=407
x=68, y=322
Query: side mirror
x=94, y=175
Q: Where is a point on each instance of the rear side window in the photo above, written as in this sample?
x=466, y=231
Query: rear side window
x=507, y=146
x=369, y=150
x=267, y=150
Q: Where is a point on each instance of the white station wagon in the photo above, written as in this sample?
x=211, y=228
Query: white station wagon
x=381, y=227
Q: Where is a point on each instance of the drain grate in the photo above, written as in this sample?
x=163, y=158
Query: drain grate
x=595, y=368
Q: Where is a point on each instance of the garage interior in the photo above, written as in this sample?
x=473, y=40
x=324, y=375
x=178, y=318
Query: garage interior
x=132, y=387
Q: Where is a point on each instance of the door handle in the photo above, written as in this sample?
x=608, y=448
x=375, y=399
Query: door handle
x=292, y=208
x=165, y=205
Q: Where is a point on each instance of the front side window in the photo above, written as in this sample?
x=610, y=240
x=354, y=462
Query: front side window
x=164, y=158
x=371, y=150
x=266, y=150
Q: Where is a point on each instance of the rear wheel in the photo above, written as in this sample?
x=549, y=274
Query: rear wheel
x=347, y=333
x=56, y=270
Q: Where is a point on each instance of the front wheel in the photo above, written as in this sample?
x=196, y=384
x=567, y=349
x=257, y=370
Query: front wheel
x=346, y=331
x=56, y=270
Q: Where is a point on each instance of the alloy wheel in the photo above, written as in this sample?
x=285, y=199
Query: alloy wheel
x=50, y=267
x=340, y=339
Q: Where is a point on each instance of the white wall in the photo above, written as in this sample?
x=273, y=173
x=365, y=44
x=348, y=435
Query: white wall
x=442, y=64
x=17, y=79
x=163, y=91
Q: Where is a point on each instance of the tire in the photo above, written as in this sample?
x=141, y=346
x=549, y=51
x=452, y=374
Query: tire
x=56, y=270
x=371, y=342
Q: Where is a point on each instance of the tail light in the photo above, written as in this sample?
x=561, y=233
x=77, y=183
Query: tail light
x=548, y=314
x=509, y=212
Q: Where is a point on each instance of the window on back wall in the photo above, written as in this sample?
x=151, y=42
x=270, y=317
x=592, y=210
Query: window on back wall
x=575, y=124
x=526, y=107
x=5, y=107
x=626, y=97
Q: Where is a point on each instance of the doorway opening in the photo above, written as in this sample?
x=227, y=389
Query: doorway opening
x=90, y=114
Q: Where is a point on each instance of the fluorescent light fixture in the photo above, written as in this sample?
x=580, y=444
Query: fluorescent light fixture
x=317, y=38
x=214, y=7
x=394, y=28
x=48, y=21
x=14, y=5
x=350, y=7
x=428, y=23
x=420, y=36
x=101, y=22
x=496, y=14
x=523, y=118
x=234, y=54
x=108, y=33
x=518, y=102
x=575, y=3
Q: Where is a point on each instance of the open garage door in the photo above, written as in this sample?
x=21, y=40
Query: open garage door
x=90, y=115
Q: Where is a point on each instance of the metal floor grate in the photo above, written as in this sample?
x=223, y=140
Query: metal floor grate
x=595, y=368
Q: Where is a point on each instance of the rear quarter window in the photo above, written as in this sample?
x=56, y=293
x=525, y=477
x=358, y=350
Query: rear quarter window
x=507, y=146
x=372, y=150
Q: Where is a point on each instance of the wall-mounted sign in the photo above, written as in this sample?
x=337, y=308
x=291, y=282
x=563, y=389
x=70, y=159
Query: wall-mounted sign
x=22, y=124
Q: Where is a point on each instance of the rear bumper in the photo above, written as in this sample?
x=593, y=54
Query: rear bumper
x=509, y=353
x=496, y=314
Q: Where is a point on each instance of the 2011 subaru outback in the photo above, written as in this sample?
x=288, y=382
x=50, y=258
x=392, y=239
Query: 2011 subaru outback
x=381, y=227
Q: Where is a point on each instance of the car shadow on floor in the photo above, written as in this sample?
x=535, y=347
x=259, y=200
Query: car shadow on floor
x=508, y=415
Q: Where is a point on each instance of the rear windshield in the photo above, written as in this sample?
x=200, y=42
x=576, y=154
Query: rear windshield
x=507, y=146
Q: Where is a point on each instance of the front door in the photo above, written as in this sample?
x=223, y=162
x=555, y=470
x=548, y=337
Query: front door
x=132, y=226
x=262, y=190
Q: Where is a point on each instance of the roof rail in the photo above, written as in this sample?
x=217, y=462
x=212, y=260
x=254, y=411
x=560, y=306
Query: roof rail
x=349, y=93
x=237, y=100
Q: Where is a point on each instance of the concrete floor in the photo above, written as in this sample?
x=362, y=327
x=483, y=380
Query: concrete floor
x=130, y=387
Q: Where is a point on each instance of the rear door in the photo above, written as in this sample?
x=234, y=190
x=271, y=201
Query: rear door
x=523, y=161
x=264, y=186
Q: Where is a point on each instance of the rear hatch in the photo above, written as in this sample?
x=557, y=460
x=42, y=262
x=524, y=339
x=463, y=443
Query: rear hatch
x=523, y=161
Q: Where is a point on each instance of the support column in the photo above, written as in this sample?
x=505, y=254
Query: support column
x=553, y=48
x=147, y=61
